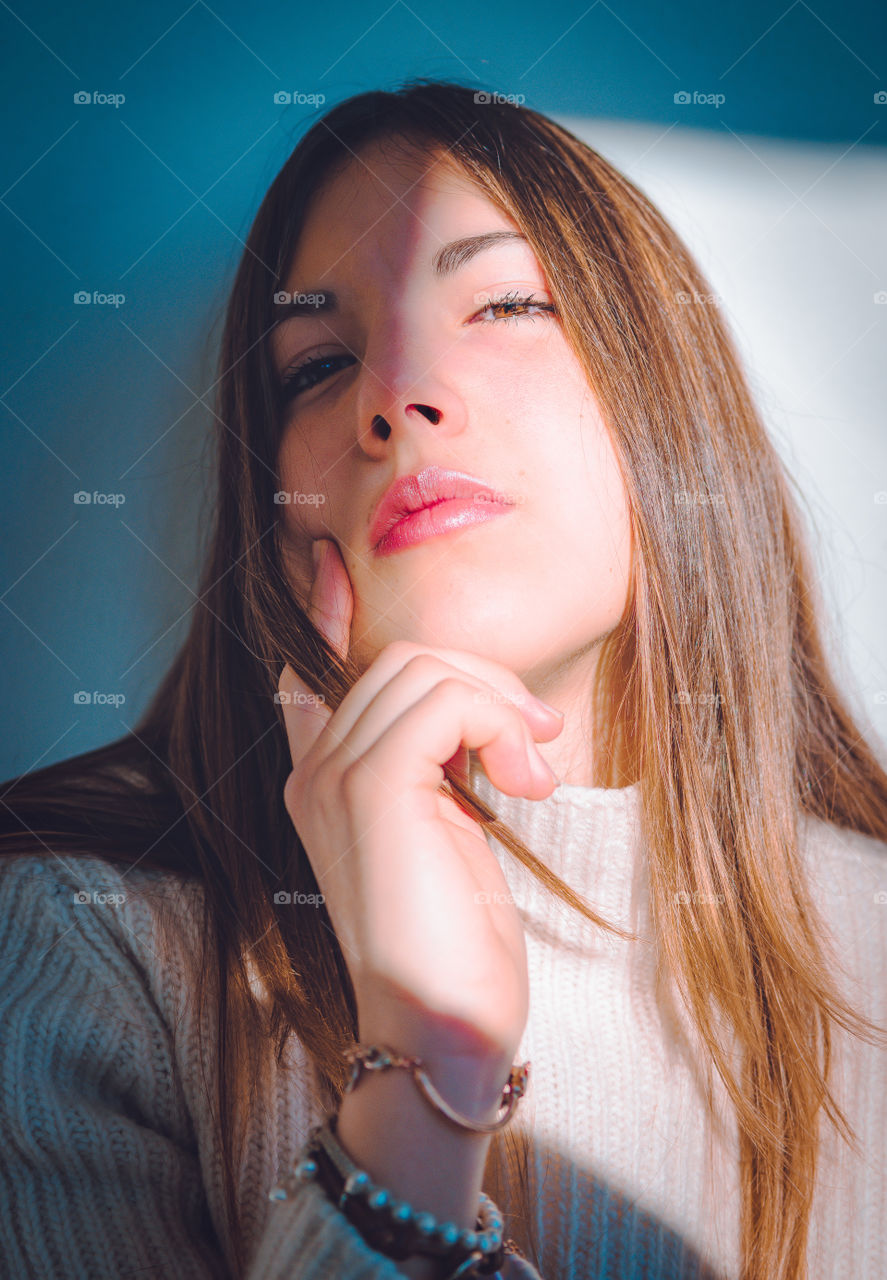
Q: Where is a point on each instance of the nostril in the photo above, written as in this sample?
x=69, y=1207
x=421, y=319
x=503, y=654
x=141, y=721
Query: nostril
x=433, y=415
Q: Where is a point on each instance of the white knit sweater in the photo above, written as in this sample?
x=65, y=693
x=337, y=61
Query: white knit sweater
x=108, y=1161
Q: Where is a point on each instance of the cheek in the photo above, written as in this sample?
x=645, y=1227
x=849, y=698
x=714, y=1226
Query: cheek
x=302, y=502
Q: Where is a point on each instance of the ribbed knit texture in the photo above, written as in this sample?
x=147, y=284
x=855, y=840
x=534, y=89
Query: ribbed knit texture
x=630, y=1177
x=109, y=1165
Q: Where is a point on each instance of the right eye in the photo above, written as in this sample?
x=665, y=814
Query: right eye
x=304, y=376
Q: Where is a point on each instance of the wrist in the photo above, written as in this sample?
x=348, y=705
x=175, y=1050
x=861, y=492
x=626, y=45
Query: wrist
x=457, y=1083
x=466, y=1068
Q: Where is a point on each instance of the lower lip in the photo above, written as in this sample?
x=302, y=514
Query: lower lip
x=455, y=513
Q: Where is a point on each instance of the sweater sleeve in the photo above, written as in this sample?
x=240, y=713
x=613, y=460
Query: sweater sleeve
x=307, y=1219
x=100, y=1168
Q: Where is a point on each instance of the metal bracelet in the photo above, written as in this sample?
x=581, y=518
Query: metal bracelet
x=379, y=1057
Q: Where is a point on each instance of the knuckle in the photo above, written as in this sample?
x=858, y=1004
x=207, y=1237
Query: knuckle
x=354, y=780
x=401, y=651
x=450, y=687
x=422, y=661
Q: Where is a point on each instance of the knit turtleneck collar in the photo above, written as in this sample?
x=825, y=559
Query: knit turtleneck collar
x=588, y=836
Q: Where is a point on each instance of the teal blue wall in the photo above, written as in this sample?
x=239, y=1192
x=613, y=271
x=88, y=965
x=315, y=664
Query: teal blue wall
x=151, y=199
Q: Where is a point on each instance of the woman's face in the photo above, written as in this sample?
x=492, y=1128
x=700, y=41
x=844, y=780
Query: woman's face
x=536, y=588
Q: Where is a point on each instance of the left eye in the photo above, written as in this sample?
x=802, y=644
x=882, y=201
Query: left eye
x=510, y=304
x=304, y=376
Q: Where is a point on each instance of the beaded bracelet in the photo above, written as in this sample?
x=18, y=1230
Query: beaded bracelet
x=388, y=1223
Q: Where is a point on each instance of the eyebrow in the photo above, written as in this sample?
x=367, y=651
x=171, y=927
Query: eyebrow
x=455, y=254
x=445, y=262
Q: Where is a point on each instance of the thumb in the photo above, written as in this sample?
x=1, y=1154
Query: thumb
x=331, y=602
x=330, y=608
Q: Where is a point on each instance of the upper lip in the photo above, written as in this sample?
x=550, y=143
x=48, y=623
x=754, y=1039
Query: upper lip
x=413, y=492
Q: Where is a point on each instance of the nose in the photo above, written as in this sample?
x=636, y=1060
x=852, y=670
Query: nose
x=428, y=411
x=387, y=405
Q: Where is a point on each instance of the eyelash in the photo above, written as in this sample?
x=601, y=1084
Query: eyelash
x=512, y=300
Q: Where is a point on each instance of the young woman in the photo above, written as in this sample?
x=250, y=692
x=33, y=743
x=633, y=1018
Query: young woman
x=473, y=451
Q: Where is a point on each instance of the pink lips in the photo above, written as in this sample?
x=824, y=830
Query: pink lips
x=417, y=507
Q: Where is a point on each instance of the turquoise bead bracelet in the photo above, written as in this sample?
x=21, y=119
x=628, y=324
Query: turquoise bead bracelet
x=387, y=1222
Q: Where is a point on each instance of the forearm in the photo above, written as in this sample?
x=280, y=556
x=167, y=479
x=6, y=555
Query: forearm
x=389, y=1129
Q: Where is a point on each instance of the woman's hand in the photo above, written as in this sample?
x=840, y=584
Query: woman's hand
x=432, y=940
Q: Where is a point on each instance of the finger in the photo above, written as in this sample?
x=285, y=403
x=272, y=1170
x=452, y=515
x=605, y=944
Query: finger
x=305, y=714
x=489, y=677
x=414, y=680
x=432, y=729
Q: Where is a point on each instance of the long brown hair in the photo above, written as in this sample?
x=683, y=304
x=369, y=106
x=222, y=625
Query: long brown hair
x=714, y=691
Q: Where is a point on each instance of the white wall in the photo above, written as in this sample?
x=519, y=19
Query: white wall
x=792, y=238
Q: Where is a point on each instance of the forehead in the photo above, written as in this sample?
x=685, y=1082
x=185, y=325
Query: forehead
x=390, y=201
